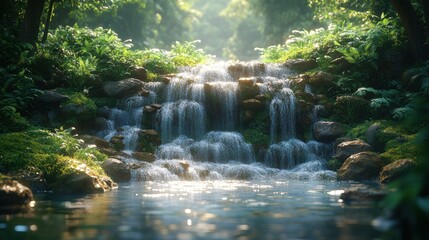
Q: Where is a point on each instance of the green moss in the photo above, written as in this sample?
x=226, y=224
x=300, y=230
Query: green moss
x=396, y=151
x=359, y=130
x=334, y=164
x=257, y=131
x=78, y=111
x=254, y=136
x=54, y=154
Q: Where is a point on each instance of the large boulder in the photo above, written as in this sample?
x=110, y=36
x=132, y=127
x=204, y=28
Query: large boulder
x=395, y=170
x=351, y=108
x=360, y=167
x=348, y=148
x=51, y=97
x=116, y=169
x=322, y=80
x=84, y=180
x=139, y=73
x=300, y=65
x=122, y=88
x=328, y=131
x=14, y=196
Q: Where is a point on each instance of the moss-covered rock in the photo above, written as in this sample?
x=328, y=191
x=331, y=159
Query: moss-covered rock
x=78, y=111
x=351, y=109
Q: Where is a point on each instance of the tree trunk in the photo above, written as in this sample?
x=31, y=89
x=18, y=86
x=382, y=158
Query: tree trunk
x=31, y=24
x=413, y=27
x=48, y=21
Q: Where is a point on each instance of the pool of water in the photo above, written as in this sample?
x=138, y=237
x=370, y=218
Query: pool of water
x=198, y=210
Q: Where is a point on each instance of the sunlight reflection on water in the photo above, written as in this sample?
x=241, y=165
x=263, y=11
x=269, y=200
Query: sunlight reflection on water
x=199, y=210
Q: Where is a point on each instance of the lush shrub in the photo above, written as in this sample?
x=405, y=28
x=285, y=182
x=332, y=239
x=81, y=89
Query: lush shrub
x=356, y=43
x=52, y=153
x=85, y=56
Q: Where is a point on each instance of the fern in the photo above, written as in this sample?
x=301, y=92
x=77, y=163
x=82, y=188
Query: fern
x=367, y=92
x=402, y=112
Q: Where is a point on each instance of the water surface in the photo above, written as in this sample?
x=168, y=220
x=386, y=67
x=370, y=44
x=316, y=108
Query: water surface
x=223, y=209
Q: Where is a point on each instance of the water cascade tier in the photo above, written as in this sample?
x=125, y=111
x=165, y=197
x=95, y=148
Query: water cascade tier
x=221, y=121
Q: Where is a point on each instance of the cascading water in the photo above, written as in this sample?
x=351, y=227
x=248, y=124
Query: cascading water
x=199, y=120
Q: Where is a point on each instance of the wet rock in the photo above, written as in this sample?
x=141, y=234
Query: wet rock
x=307, y=97
x=351, y=108
x=51, y=97
x=149, y=109
x=84, y=180
x=262, y=97
x=116, y=169
x=348, y=148
x=360, y=167
x=247, y=81
x=144, y=156
x=167, y=78
x=253, y=105
x=14, y=196
x=340, y=64
x=362, y=194
x=122, y=88
x=340, y=140
x=396, y=169
x=322, y=80
x=149, y=139
x=371, y=134
x=99, y=142
x=299, y=82
x=184, y=165
x=108, y=151
x=328, y=131
x=239, y=70
x=103, y=112
x=300, y=65
x=117, y=142
x=139, y=73
x=156, y=106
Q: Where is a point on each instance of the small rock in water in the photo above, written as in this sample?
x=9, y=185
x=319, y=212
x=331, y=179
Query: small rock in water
x=14, y=196
x=184, y=165
x=362, y=194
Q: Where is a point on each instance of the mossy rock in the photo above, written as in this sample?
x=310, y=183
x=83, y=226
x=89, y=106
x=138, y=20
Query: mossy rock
x=78, y=111
x=351, y=109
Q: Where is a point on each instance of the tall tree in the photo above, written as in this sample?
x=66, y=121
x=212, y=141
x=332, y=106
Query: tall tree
x=414, y=27
x=31, y=23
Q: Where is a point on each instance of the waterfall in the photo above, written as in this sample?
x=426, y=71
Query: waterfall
x=183, y=117
x=199, y=116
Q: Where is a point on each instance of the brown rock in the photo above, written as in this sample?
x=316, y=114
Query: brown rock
x=144, y=156
x=395, y=170
x=360, y=167
x=322, y=80
x=122, y=88
x=348, y=148
x=247, y=81
x=300, y=65
x=139, y=73
x=116, y=169
x=14, y=195
x=328, y=131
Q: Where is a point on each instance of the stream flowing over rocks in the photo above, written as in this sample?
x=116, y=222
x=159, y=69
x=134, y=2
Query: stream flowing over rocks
x=219, y=121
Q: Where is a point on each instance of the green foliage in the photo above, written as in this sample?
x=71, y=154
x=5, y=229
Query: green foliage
x=158, y=61
x=53, y=153
x=357, y=43
x=187, y=54
x=257, y=131
x=85, y=57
